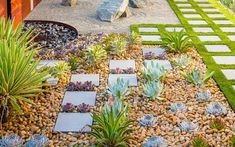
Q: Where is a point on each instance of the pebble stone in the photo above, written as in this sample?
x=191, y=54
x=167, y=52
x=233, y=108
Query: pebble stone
x=131, y=78
x=146, y=29
x=122, y=64
x=151, y=37
x=217, y=48
x=94, y=78
x=229, y=73
x=209, y=38
x=203, y=29
x=224, y=59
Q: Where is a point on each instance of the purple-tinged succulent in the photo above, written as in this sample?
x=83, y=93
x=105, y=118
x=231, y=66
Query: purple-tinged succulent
x=79, y=86
x=149, y=55
x=12, y=140
x=148, y=121
x=37, y=140
x=178, y=107
x=59, y=53
x=68, y=107
x=130, y=70
x=162, y=56
x=122, y=71
x=71, y=86
x=83, y=108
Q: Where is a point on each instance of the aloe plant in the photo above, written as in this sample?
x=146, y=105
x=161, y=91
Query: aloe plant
x=153, y=90
x=196, y=78
x=120, y=89
x=176, y=42
x=95, y=55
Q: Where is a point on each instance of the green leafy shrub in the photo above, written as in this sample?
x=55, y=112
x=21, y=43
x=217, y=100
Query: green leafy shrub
x=196, y=78
x=135, y=38
x=153, y=90
x=120, y=89
x=217, y=124
x=95, y=55
x=176, y=42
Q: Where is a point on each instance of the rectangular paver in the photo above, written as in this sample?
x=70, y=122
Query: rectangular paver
x=209, y=38
x=171, y=29
x=222, y=22
x=196, y=22
x=156, y=51
x=231, y=37
x=192, y=16
x=217, y=48
x=77, y=98
x=122, y=64
x=203, y=29
x=205, y=5
x=131, y=78
x=228, y=29
x=73, y=122
x=229, y=73
x=184, y=5
x=233, y=87
x=187, y=10
x=165, y=63
x=216, y=15
x=94, y=78
x=151, y=37
x=210, y=10
x=224, y=59
x=147, y=29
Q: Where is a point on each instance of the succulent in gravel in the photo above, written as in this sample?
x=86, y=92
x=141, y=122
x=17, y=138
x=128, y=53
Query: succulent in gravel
x=118, y=45
x=199, y=142
x=120, y=89
x=153, y=90
x=79, y=86
x=37, y=140
x=155, y=141
x=148, y=121
x=182, y=62
x=217, y=123
x=59, y=53
x=12, y=140
x=95, y=55
x=60, y=69
x=149, y=56
x=188, y=126
x=204, y=96
x=216, y=109
x=122, y=71
x=83, y=108
x=73, y=63
x=68, y=107
x=178, y=107
x=153, y=72
x=135, y=38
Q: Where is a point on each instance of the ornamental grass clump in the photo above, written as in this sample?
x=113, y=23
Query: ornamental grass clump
x=176, y=42
x=217, y=124
x=199, y=142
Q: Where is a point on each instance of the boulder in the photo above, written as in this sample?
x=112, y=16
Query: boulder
x=112, y=9
x=71, y=3
x=138, y=3
x=127, y=12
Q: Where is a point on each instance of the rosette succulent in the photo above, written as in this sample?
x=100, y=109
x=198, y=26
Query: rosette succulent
x=204, y=96
x=12, y=140
x=120, y=89
x=155, y=141
x=83, y=108
x=182, y=62
x=188, y=126
x=178, y=107
x=122, y=71
x=68, y=107
x=216, y=109
x=79, y=86
x=37, y=140
x=95, y=55
x=148, y=121
x=199, y=142
x=153, y=90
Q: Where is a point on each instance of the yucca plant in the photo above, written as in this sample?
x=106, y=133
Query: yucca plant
x=199, y=142
x=112, y=127
x=197, y=78
x=153, y=90
x=176, y=42
x=120, y=89
x=135, y=38
x=95, y=54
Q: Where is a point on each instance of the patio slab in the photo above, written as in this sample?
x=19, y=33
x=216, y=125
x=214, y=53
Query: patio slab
x=146, y=29
x=222, y=22
x=122, y=64
x=209, y=38
x=197, y=22
x=73, y=122
x=203, y=29
x=94, y=78
x=229, y=73
x=151, y=37
x=171, y=29
x=216, y=15
x=132, y=78
x=192, y=16
x=187, y=10
x=217, y=48
x=156, y=51
x=181, y=0
x=231, y=37
x=165, y=63
x=77, y=98
x=228, y=29
x=228, y=60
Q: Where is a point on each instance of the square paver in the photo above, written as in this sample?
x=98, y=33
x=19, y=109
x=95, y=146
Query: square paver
x=203, y=29
x=146, y=29
x=229, y=73
x=156, y=51
x=131, y=78
x=196, y=22
x=77, y=98
x=53, y=81
x=187, y=10
x=184, y=5
x=48, y=63
x=209, y=38
x=224, y=59
x=122, y=64
x=210, y=10
x=151, y=37
x=73, y=122
x=205, y=5
x=217, y=48
x=222, y=22
x=228, y=29
x=165, y=63
x=231, y=37
x=94, y=78
x=216, y=15
x=172, y=29
x=192, y=15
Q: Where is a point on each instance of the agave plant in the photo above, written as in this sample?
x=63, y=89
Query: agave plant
x=120, y=89
x=135, y=38
x=182, y=62
x=118, y=45
x=196, y=78
x=153, y=72
x=176, y=42
x=153, y=90
x=95, y=55
x=199, y=142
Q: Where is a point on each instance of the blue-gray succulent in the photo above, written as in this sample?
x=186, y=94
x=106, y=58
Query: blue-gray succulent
x=119, y=89
x=204, y=96
x=216, y=109
x=12, y=140
x=153, y=90
x=37, y=140
x=178, y=107
x=188, y=126
x=148, y=121
x=155, y=141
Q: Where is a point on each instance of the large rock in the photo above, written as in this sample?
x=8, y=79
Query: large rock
x=138, y=3
x=112, y=9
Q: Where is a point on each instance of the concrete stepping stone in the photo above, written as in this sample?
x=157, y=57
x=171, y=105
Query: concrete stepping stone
x=233, y=87
x=131, y=78
x=146, y=29
x=151, y=37
x=53, y=81
x=202, y=29
x=77, y=98
x=94, y=78
x=222, y=22
x=122, y=64
x=165, y=63
x=171, y=29
x=73, y=122
x=184, y=5
x=216, y=15
x=228, y=29
x=209, y=38
x=181, y=0
x=48, y=63
x=217, y=48
x=156, y=51
x=210, y=10
x=192, y=15
x=229, y=74
x=205, y=5
x=187, y=10
x=201, y=0
x=196, y=22
x=231, y=37
x=224, y=59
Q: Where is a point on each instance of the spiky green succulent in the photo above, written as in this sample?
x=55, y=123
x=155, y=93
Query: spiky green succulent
x=199, y=142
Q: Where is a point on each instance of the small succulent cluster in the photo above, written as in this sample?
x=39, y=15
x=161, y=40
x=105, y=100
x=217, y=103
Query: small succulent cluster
x=59, y=69
x=151, y=56
x=95, y=54
x=199, y=142
x=12, y=140
x=148, y=121
x=59, y=53
x=155, y=141
x=120, y=89
x=153, y=90
x=73, y=63
x=83, y=108
x=188, y=126
x=182, y=62
x=135, y=38
x=122, y=71
x=204, y=96
x=216, y=109
x=178, y=107
x=217, y=124
x=80, y=86
x=37, y=141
